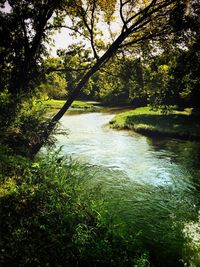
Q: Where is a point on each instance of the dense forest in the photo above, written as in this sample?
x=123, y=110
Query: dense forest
x=125, y=53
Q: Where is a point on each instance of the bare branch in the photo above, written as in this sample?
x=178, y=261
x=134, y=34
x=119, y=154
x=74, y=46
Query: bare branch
x=122, y=16
x=126, y=2
x=147, y=15
x=143, y=11
x=69, y=28
x=135, y=41
x=92, y=31
x=150, y=36
x=83, y=14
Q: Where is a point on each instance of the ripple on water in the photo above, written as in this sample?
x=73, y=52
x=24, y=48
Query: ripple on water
x=143, y=160
x=152, y=185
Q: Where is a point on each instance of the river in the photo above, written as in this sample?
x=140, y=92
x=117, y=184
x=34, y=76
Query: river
x=164, y=177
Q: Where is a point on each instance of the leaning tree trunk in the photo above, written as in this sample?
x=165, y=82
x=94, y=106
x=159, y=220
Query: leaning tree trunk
x=139, y=21
x=100, y=62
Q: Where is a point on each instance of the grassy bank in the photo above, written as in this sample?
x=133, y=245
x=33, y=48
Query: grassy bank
x=53, y=214
x=57, y=104
x=178, y=124
x=57, y=212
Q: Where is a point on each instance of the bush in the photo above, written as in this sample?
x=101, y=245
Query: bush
x=28, y=127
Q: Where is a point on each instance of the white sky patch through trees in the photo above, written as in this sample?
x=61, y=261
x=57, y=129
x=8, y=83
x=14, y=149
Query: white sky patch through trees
x=63, y=38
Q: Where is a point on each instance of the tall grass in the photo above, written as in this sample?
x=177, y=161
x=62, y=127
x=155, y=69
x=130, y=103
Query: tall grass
x=57, y=212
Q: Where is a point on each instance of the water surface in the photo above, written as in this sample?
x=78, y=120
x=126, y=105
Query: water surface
x=164, y=177
x=161, y=162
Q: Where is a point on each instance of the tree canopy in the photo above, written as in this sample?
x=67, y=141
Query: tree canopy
x=140, y=28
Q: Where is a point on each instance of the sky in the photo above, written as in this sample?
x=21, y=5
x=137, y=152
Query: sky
x=7, y=8
x=62, y=39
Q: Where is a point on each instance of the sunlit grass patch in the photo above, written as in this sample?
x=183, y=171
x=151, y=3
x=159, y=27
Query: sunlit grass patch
x=57, y=104
x=181, y=124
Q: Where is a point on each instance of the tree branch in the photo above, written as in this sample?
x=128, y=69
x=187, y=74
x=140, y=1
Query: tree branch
x=141, y=21
x=122, y=16
x=69, y=28
x=90, y=30
x=143, y=11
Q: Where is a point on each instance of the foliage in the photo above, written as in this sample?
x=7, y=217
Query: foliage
x=27, y=127
x=5, y=108
x=27, y=26
x=24, y=31
x=108, y=87
x=54, y=87
x=160, y=79
x=76, y=61
x=164, y=78
x=55, y=84
x=186, y=80
x=121, y=82
x=23, y=34
x=171, y=78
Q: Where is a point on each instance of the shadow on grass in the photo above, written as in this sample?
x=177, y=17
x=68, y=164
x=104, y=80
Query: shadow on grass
x=172, y=125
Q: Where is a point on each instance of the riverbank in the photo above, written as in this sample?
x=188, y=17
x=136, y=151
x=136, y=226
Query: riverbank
x=94, y=214
x=53, y=215
x=79, y=214
x=57, y=104
x=176, y=124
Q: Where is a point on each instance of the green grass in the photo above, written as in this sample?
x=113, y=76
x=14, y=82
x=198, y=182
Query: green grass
x=178, y=124
x=57, y=104
x=58, y=212
x=53, y=214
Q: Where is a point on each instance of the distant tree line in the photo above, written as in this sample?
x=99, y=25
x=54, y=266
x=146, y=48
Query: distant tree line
x=153, y=58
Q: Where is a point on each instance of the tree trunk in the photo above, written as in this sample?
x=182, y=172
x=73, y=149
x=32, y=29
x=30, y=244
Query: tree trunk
x=106, y=56
x=142, y=18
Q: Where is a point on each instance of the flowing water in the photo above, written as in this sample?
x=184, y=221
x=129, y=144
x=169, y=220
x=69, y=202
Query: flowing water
x=163, y=188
